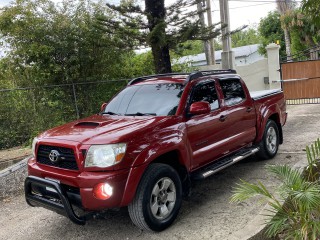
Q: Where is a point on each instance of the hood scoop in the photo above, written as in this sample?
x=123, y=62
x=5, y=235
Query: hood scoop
x=87, y=125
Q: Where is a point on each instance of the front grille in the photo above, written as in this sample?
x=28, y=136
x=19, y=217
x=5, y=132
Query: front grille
x=67, y=161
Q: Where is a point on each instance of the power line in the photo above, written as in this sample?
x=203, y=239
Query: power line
x=253, y=5
x=263, y=1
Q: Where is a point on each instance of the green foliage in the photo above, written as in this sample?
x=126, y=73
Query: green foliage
x=313, y=155
x=295, y=207
x=59, y=44
x=304, y=33
x=312, y=9
x=245, y=37
x=191, y=47
x=54, y=44
x=139, y=64
x=271, y=32
x=161, y=27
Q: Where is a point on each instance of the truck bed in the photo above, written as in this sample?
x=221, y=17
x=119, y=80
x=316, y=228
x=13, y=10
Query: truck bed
x=264, y=93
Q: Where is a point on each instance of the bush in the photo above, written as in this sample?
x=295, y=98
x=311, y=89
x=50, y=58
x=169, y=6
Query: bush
x=296, y=212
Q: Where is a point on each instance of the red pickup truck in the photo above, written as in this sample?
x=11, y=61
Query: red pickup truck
x=149, y=142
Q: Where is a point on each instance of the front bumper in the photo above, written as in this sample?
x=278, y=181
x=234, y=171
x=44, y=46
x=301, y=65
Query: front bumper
x=56, y=200
x=69, y=192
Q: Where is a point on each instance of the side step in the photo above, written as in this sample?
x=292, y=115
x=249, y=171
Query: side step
x=223, y=163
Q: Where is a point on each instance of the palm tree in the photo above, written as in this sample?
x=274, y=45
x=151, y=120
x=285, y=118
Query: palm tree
x=296, y=212
x=285, y=8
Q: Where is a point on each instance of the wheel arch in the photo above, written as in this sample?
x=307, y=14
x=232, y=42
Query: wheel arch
x=172, y=158
x=276, y=118
x=272, y=113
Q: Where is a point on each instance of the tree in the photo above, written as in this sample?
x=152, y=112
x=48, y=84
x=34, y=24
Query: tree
x=161, y=27
x=270, y=30
x=245, y=37
x=312, y=9
x=285, y=7
x=54, y=44
x=60, y=42
x=304, y=34
x=138, y=64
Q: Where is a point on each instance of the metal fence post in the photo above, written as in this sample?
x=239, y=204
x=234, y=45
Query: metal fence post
x=75, y=100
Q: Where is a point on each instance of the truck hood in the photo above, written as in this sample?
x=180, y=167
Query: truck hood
x=102, y=129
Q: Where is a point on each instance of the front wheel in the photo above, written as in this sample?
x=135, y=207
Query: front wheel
x=270, y=141
x=158, y=198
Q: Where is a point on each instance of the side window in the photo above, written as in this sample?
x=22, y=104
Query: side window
x=232, y=91
x=206, y=92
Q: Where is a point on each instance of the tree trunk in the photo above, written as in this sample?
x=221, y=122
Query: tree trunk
x=157, y=38
x=161, y=58
x=288, y=44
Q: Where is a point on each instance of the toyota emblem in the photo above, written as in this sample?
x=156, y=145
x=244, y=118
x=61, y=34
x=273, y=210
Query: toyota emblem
x=54, y=156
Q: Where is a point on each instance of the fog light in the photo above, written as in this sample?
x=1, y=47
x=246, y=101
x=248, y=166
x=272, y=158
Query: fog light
x=102, y=191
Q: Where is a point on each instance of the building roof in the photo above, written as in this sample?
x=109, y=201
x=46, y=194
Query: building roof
x=239, y=52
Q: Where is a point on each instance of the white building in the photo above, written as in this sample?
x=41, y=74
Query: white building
x=243, y=56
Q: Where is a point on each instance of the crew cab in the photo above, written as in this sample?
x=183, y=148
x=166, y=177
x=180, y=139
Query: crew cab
x=149, y=142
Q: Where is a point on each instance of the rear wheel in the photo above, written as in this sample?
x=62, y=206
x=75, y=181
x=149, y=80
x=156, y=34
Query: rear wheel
x=270, y=141
x=158, y=198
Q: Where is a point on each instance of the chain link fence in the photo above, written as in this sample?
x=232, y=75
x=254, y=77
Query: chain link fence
x=25, y=112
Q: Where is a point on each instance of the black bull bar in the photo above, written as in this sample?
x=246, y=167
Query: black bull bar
x=61, y=205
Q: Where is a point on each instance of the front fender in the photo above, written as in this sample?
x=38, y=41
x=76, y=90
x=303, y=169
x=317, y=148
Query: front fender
x=177, y=142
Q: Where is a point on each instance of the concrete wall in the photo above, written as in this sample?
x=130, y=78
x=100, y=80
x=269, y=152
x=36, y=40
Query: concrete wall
x=239, y=61
x=254, y=74
x=252, y=58
x=12, y=179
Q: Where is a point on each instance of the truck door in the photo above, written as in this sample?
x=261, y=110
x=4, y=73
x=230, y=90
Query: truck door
x=206, y=131
x=241, y=116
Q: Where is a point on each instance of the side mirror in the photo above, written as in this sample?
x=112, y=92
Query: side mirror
x=103, y=106
x=198, y=108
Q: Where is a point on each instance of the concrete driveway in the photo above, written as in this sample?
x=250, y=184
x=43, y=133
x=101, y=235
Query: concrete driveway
x=207, y=214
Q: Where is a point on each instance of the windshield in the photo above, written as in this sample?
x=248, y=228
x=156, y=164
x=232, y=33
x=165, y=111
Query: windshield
x=151, y=99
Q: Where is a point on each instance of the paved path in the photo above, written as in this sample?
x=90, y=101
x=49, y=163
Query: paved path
x=206, y=215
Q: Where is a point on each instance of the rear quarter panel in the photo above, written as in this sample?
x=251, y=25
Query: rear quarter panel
x=273, y=104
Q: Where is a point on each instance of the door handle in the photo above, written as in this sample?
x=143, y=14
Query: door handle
x=222, y=118
x=249, y=109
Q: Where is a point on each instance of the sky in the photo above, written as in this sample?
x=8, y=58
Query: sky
x=242, y=12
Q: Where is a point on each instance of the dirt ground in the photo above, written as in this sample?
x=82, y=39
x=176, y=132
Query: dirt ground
x=14, y=153
x=207, y=214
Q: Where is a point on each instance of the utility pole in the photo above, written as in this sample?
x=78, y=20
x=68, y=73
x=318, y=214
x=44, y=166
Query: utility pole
x=205, y=43
x=212, y=59
x=227, y=55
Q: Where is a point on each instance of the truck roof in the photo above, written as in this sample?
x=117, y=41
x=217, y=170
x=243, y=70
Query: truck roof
x=179, y=77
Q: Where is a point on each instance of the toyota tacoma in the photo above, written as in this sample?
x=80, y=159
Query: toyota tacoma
x=149, y=142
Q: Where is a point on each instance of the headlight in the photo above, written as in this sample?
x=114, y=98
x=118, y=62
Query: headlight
x=105, y=155
x=34, y=143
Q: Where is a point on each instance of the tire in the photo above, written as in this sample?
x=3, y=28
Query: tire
x=269, y=144
x=158, y=198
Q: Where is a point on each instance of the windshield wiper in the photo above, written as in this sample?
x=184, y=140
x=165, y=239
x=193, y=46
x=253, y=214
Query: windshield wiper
x=141, y=114
x=109, y=113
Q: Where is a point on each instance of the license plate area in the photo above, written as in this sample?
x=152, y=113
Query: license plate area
x=50, y=189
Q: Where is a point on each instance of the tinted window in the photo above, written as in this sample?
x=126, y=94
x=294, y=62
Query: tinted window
x=154, y=99
x=206, y=92
x=232, y=91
